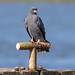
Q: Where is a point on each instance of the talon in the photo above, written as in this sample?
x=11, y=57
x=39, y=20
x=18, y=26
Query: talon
x=39, y=41
x=32, y=40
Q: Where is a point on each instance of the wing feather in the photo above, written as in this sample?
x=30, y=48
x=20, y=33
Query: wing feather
x=41, y=26
x=26, y=26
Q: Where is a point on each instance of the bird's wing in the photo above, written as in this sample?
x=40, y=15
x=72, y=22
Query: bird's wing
x=26, y=26
x=41, y=26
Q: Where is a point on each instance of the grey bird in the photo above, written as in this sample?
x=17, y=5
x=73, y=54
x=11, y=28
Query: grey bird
x=35, y=27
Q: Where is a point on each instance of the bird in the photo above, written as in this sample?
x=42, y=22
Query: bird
x=35, y=27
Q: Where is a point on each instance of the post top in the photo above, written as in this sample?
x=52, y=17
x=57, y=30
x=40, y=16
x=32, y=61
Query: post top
x=30, y=45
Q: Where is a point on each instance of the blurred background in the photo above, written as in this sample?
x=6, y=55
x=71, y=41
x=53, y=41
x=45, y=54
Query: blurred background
x=59, y=19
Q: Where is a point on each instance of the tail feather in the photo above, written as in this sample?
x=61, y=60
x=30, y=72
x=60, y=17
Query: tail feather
x=42, y=50
x=47, y=41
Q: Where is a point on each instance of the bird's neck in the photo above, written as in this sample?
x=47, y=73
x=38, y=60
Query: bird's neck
x=32, y=13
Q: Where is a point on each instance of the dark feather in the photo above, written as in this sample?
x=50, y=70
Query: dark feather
x=41, y=26
x=26, y=26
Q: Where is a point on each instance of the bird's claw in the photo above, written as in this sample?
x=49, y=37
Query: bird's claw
x=31, y=41
x=38, y=41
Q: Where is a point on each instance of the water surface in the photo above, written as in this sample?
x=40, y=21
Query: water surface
x=59, y=21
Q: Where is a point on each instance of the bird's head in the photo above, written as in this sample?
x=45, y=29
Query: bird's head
x=33, y=10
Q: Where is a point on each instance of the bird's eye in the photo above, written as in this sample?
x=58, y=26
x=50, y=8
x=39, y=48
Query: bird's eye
x=34, y=9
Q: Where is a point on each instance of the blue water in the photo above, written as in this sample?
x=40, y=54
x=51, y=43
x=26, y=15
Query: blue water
x=59, y=20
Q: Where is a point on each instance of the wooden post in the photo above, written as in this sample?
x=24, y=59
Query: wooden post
x=32, y=46
x=32, y=59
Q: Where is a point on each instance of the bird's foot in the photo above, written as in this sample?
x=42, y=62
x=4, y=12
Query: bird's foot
x=31, y=40
x=38, y=41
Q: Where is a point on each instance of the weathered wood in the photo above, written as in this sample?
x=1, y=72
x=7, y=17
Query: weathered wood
x=31, y=45
x=30, y=73
x=5, y=70
x=11, y=73
x=68, y=73
x=49, y=73
x=32, y=59
x=64, y=71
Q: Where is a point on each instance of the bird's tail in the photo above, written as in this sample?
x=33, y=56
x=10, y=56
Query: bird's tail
x=47, y=41
x=42, y=50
